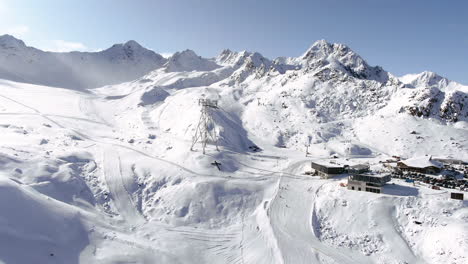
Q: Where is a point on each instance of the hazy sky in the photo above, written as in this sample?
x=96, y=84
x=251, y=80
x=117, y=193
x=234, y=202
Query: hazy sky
x=401, y=36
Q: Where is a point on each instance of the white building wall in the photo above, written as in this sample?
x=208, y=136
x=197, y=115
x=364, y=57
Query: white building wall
x=361, y=186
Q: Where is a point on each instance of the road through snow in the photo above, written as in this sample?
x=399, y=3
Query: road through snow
x=291, y=213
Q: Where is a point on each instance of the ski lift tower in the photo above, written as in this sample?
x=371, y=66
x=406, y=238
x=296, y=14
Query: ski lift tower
x=206, y=128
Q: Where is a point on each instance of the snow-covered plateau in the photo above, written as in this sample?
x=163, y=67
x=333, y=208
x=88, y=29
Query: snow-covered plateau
x=96, y=163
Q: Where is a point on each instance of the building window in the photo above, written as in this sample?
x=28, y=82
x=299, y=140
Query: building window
x=359, y=188
x=352, y=187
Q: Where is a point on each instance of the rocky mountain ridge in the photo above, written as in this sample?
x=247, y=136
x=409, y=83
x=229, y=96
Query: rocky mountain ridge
x=330, y=80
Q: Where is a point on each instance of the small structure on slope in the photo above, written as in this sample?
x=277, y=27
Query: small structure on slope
x=423, y=164
x=368, y=182
x=456, y=196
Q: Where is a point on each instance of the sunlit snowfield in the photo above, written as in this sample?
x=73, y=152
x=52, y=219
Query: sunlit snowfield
x=106, y=175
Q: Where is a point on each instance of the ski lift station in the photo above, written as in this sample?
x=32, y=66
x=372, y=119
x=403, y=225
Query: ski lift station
x=327, y=168
x=368, y=182
x=208, y=103
x=359, y=176
x=331, y=168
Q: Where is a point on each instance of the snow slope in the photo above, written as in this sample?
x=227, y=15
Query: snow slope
x=108, y=176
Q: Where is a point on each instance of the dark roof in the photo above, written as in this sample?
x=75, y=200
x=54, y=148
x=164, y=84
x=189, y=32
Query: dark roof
x=327, y=164
x=375, y=178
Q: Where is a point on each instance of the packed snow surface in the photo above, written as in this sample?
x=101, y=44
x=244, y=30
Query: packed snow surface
x=106, y=175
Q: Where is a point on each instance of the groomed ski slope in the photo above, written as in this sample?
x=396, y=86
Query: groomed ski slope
x=82, y=181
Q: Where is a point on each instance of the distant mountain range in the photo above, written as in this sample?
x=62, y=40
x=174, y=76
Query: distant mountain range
x=77, y=70
x=331, y=80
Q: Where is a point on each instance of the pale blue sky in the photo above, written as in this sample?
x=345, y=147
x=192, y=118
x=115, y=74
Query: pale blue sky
x=401, y=36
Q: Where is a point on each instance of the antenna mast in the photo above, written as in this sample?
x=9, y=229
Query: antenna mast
x=206, y=128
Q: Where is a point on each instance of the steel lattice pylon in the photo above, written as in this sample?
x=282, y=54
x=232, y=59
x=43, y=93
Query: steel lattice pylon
x=206, y=130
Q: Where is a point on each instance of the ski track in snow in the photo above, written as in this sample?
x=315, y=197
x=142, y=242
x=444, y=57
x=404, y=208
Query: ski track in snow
x=117, y=187
x=387, y=214
x=113, y=144
x=86, y=106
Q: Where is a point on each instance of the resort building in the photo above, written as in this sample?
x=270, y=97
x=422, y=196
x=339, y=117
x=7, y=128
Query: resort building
x=423, y=164
x=327, y=168
x=367, y=182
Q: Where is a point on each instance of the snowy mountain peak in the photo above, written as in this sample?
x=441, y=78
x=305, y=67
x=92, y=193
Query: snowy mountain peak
x=132, y=44
x=187, y=53
x=257, y=59
x=432, y=78
x=425, y=79
x=324, y=50
x=337, y=57
x=131, y=50
x=232, y=58
x=225, y=52
x=188, y=60
x=8, y=41
x=318, y=46
x=225, y=56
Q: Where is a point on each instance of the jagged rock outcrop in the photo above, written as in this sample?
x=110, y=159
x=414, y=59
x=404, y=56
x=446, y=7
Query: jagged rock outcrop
x=436, y=97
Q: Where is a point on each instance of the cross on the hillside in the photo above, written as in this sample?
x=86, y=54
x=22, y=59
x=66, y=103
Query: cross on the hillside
x=217, y=164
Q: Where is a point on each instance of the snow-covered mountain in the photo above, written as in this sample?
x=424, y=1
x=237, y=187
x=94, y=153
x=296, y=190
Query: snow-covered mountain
x=329, y=82
x=425, y=79
x=77, y=70
x=188, y=60
x=436, y=97
x=108, y=174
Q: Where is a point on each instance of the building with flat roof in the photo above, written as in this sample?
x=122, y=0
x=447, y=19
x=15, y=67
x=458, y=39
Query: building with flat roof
x=358, y=168
x=367, y=182
x=327, y=169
